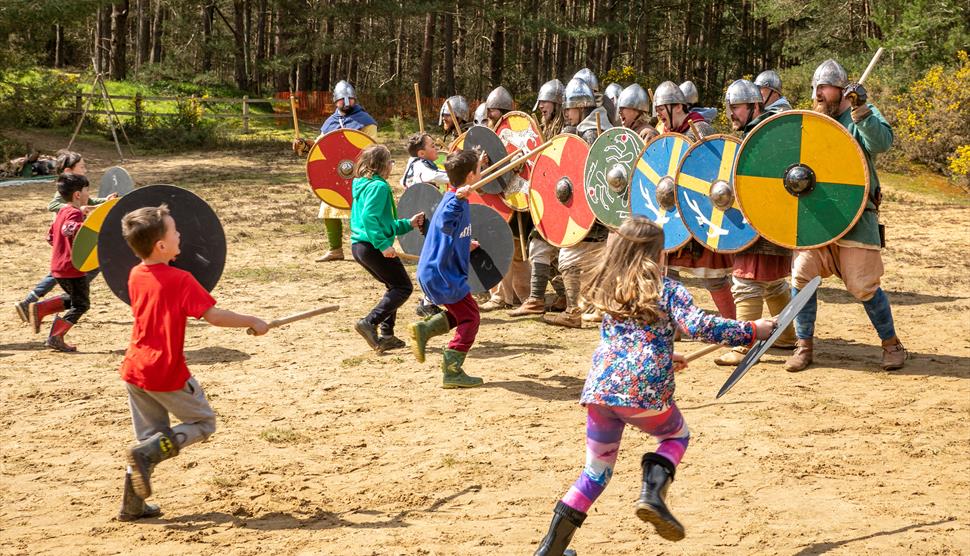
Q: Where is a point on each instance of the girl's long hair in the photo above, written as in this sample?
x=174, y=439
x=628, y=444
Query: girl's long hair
x=372, y=161
x=626, y=283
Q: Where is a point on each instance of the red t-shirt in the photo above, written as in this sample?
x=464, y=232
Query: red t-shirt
x=162, y=299
x=61, y=236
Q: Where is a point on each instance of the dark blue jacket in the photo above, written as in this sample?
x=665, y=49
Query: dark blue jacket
x=443, y=266
x=357, y=118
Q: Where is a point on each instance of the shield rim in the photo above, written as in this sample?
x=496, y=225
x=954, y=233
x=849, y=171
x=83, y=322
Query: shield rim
x=306, y=163
x=453, y=146
x=405, y=245
x=536, y=218
x=105, y=206
x=862, y=158
x=101, y=183
x=680, y=165
x=496, y=187
x=538, y=130
x=629, y=180
x=690, y=144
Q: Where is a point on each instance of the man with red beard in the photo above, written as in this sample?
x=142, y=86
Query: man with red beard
x=856, y=257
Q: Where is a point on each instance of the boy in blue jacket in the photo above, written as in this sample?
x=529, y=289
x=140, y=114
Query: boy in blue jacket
x=443, y=273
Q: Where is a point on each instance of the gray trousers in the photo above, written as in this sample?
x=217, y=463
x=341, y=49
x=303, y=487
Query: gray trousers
x=150, y=413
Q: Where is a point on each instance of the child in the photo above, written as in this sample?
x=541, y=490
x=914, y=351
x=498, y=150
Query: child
x=154, y=370
x=373, y=226
x=421, y=167
x=443, y=273
x=74, y=191
x=68, y=162
x=631, y=380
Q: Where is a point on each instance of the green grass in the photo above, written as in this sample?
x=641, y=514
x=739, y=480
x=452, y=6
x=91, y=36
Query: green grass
x=278, y=435
x=925, y=184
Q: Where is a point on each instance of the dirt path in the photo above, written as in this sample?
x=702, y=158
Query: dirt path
x=326, y=448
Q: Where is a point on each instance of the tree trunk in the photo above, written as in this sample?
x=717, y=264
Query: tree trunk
x=102, y=39
x=158, y=23
x=427, y=60
x=352, y=55
x=208, y=14
x=144, y=42
x=239, y=45
x=118, y=65
x=260, y=59
x=58, y=46
x=496, y=63
x=448, y=75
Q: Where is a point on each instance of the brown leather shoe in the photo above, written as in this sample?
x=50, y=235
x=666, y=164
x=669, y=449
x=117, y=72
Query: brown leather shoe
x=569, y=319
x=893, y=354
x=493, y=305
x=532, y=306
x=732, y=358
x=558, y=304
x=332, y=255
x=802, y=358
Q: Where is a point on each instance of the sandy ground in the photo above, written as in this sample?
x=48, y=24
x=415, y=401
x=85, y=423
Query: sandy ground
x=325, y=448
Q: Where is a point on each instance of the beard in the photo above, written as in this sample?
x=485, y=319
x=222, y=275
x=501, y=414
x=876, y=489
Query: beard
x=830, y=109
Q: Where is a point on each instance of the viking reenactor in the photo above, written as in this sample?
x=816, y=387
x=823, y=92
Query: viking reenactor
x=856, y=256
x=693, y=102
x=673, y=109
x=612, y=93
x=633, y=106
x=481, y=115
x=348, y=115
x=498, y=103
x=770, y=84
x=549, y=106
x=713, y=269
x=589, y=77
x=761, y=272
x=462, y=114
x=587, y=120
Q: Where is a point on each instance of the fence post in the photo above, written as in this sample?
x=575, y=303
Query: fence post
x=245, y=114
x=139, y=115
x=78, y=108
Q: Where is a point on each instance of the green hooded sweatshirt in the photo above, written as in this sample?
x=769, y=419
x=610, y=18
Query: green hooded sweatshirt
x=373, y=215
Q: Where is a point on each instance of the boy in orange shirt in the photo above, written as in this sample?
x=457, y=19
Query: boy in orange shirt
x=154, y=370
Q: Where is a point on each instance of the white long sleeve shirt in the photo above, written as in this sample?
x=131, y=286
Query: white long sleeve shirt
x=420, y=170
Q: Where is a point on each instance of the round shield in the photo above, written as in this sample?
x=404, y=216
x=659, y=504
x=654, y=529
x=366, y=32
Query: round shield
x=458, y=143
x=705, y=196
x=203, y=244
x=801, y=179
x=84, y=251
x=330, y=165
x=518, y=130
x=556, y=192
x=658, y=166
x=492, y=259
x=480, y=137
x=115, y=180
x=607, y=172
x=420, y=197
x=497, y=202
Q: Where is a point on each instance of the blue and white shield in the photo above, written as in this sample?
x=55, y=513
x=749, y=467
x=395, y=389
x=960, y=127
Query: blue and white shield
x=660, y=159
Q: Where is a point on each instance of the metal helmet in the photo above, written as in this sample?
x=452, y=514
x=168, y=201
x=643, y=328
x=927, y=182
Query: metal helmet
x=690, y=92
x=551, y=91
x=770, y=80
x=613, y=91
x=741, y=91
x=578, y=94
x=668, y=93
x=499, y=99
x=634, y=97
x=343, y=91
x=481, y=114
x=459, y=104
x=829, y=72
x=589, y=77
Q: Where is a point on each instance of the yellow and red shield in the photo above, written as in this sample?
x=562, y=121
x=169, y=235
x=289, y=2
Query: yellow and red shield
x=84, y=252
x=330, y=165
x=518, y=130
x=563, y=218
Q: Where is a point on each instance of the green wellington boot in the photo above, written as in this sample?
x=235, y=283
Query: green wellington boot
x=144, y=456
x=425, y=329
x=454, y=375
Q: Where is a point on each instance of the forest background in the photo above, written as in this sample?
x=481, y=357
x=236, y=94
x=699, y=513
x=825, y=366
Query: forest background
x=196, y=49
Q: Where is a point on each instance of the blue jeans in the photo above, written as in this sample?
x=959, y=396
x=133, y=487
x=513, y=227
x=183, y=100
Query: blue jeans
x=48, y=282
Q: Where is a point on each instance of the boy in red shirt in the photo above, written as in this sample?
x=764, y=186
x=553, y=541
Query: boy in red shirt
x=154, y=369
x=73, y=188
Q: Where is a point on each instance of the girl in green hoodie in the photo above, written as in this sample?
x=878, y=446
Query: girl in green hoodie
x=373, y=226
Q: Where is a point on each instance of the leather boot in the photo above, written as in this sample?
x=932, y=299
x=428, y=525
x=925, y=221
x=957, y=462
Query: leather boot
x=748, y=309
x=55, y=340
x=369, y=333
x=894, y=354
x=565, y=521
x=558, y=304
x=724, y=301
x=424, y=330
x=37, y=311
x=133, y=506
x=802, y=357
x=145, y=455
x=453, y=375
x=331, y=255
x=494, y=304
x=532, y=306
x=776, y=304
x=571, y=318
x=658, y=473
x=23, y=308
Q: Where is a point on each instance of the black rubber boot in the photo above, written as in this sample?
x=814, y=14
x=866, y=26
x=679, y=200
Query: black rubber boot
x=658, y=473
x=565, y=521
x=133, y=506
x=145, y=455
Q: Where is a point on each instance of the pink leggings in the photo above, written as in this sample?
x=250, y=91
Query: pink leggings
x=604, y=429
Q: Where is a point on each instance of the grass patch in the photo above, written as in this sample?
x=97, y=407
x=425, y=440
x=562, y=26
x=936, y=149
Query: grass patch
x=277, y=435
x=263, y=274
x=923, y=183
x=222, y=481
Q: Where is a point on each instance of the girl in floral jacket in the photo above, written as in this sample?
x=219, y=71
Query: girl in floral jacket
x=631, y=380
